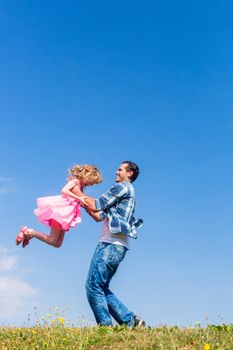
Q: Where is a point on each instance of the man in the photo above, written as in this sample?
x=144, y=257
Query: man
x=116, y=208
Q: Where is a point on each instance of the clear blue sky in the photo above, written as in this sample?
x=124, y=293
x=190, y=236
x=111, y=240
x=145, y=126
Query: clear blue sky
x=102, y=82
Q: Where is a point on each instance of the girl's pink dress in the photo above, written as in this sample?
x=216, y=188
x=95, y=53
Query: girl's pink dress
x=64, y=209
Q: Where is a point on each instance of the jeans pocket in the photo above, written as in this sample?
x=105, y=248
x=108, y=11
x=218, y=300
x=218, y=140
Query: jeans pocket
x=116, y=255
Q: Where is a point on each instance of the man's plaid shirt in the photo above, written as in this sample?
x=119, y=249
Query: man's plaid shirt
x=118, y=205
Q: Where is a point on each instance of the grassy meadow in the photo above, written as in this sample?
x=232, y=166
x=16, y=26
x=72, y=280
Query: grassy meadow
x=59, y=336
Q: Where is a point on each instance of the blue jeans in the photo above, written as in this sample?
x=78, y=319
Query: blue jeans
x=103, y=302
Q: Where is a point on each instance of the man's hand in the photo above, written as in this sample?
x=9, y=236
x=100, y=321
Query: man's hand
x=90, y=203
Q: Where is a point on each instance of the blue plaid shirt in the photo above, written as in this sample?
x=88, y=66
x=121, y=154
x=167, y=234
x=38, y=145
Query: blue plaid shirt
x=118, y=206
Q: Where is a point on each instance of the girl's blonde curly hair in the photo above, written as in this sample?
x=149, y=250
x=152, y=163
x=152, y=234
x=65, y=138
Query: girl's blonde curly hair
x=88, y=174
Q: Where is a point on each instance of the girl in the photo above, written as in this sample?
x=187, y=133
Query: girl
x=61, y=212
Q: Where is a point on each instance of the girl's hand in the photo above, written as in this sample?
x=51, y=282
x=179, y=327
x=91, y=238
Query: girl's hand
x=82, y=200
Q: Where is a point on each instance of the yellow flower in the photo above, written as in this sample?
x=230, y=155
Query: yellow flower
x=56, y=308
x=207, y=346
x=62, y=320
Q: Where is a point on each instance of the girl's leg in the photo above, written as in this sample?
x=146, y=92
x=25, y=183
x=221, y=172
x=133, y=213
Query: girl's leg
x=60, y=238
x=55, y=238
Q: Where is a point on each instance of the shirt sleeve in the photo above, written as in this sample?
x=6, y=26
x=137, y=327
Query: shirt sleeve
x=108, y=199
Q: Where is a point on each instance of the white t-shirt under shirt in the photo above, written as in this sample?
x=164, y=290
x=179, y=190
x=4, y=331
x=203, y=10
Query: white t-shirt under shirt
x=108, y=237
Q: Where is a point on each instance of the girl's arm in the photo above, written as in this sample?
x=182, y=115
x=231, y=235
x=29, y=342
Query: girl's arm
x=89, y=202
x=67, y=190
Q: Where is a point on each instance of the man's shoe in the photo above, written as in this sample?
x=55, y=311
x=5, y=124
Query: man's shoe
x=138, y=322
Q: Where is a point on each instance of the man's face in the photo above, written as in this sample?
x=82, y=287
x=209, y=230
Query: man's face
x=122, y=174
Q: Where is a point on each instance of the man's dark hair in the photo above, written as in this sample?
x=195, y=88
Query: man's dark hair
x=131, y=166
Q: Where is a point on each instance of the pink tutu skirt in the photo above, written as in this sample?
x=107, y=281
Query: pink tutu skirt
x=65, y=210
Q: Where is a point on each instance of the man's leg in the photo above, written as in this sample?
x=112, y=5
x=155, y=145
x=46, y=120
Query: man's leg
x=105, y=262
x=118, y=310
x=94, y=288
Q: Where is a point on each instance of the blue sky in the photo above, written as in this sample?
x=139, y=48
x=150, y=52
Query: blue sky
x=101, y=83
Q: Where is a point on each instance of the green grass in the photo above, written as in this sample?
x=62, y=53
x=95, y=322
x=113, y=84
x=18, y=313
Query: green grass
x=58, y=336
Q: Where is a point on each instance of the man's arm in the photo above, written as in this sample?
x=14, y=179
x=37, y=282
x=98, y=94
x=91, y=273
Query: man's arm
x=95, y=215
x=105, y=201
x=111, y=197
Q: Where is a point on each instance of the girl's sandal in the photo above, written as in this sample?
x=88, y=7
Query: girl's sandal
x=26, y=241
x=21, y=237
